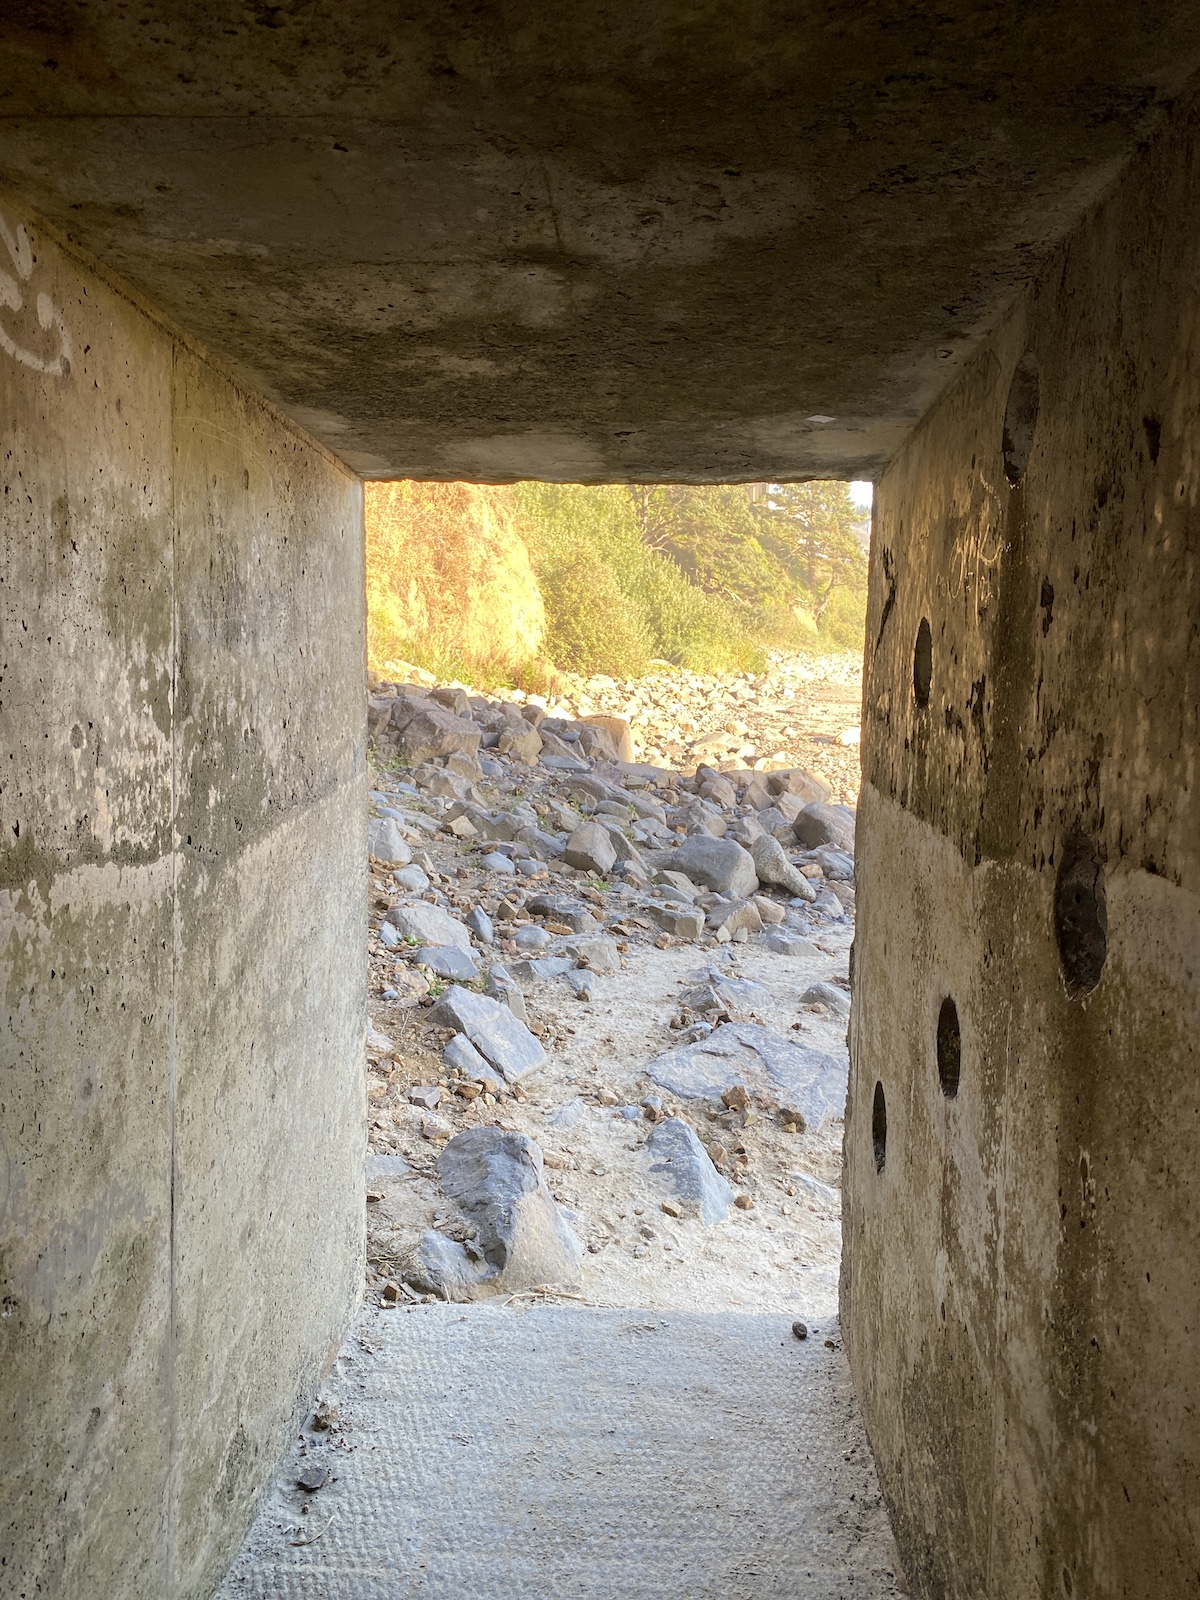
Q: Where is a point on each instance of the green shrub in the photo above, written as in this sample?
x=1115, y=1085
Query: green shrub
x=592, y=624
x=586, y=546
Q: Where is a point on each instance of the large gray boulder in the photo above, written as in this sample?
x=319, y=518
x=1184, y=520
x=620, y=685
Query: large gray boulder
x=540, y=844
x=827, y=994
x=443, y=1266
x=680, y=1167
x=385, y=843
x=733, y=916
x=540, y=969
x=521, y=1238
x=597, y=743
x=502, y=986
x=719, y=864
x=683, y=922
x=720, y=998
x=820, y=824
x=447, y=961
x=590, y=849
x=784, y=943
x=773, y=866
x=492, y=1028
x=426, y=732
x=452, y=698
x=618, y=730
x=623, y=849
x=837, y=865
x=563, y=908
x=800, y=782
x=600, y=954
x=522, y=744
x=429, y=925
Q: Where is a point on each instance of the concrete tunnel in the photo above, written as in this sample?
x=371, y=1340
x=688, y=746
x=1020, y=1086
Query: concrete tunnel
x=251, y=255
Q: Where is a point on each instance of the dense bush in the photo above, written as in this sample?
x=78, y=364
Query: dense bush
x=566, y=524
x=712, y=579
x=591, y=625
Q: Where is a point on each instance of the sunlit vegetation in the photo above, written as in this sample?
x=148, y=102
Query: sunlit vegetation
x=508, y=584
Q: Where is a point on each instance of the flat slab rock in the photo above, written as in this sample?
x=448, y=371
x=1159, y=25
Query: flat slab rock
x=430, y=925
x=775, y=1069
x=447, y=961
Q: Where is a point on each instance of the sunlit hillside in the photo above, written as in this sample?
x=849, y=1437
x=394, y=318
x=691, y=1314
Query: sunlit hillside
x=510, y=584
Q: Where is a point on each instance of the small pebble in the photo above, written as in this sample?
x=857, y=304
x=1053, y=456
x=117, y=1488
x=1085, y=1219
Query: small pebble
x=800, y=1329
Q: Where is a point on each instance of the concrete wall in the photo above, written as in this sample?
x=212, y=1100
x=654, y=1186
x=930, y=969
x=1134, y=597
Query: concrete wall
x=181, y=937
x=1022, y=1278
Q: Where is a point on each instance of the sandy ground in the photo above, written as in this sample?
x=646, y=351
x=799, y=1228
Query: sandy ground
x=781, y=1254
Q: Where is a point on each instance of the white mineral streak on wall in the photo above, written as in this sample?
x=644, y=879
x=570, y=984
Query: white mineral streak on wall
x=48, y=315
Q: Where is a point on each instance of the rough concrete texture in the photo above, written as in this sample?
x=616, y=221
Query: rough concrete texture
x=605, y=1455
x=584, y=242
x=1022, y=1278
x=181, y=915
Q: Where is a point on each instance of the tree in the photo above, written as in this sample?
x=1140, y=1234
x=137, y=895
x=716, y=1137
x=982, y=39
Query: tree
x=816, y=527
x=713, y=533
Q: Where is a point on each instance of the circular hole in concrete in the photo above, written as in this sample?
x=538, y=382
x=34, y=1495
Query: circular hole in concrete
x=949, y=1048
x=1020, y=418
x=879, y=1127
x=1080, y=914
x=1153, y=430
x=923, y=663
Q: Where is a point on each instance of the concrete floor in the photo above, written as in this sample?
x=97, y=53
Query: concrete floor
x=491, y=1451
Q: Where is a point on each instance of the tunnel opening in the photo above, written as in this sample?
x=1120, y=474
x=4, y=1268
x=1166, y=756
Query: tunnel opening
x=608, y=986
x=642, y=862
x=245, y=268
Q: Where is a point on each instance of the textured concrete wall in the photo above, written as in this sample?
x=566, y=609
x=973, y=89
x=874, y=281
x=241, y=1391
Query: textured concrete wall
x=181, y=932
x=1022, y=1276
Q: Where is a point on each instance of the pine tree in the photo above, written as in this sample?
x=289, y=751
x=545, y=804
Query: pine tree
x=815, y=527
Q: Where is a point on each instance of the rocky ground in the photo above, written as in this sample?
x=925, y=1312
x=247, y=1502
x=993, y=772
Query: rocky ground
x=802, y=712
x=625, y=983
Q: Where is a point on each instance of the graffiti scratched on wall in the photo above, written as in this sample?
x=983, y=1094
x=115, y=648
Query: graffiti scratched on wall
x=13, y=297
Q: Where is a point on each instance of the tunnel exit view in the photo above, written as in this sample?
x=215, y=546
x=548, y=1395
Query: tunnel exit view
x=612, y=908
x=599, y=832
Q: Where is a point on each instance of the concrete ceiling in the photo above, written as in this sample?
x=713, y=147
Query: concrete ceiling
x=585, y=241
